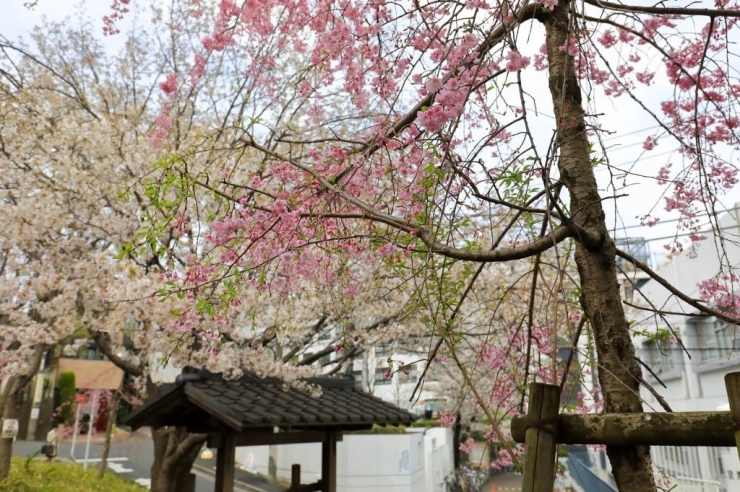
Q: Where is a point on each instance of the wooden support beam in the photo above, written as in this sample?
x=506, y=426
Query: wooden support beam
x=260, y=438
x=540, y=446
x=732, y=385
x=637, y=429
x=225, y=463
x=295, y=478
x=329, y=463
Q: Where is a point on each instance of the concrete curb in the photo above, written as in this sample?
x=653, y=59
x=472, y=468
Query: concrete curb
x=237, y=483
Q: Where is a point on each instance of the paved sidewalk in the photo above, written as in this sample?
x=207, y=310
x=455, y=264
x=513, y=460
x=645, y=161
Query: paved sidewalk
x=242, y=478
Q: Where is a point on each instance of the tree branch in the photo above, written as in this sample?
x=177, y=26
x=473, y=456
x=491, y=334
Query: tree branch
x=103, y=341
x=306, y=338
x=539, y=245
x=318, y=355
x=187, y=445
x=682, y=11
x=354, y=351
x=673, y=290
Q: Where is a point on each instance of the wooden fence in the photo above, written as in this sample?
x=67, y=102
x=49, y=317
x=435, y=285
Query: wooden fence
x=543, y=428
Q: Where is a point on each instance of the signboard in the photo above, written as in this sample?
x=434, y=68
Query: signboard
x=10, y=428
x=35, y=413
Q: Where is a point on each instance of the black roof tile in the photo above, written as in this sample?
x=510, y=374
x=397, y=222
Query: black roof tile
x=252, y=402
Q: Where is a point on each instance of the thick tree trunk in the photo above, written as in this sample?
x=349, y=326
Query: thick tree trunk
x=175, y=451
x=595, y=254
x=12, y=404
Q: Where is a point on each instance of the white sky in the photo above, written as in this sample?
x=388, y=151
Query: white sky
x=17, y=20
x=626, y=119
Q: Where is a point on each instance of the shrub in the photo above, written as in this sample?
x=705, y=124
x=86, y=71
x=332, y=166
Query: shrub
x=41, y=476
x=67, y=397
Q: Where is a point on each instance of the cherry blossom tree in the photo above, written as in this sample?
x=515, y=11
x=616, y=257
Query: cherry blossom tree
x=76, y=126
x=82, y=129
x=414, y=138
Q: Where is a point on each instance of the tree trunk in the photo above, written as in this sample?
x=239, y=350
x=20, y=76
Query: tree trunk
x=175, y=451
x=112, y=409
x=272, y=464
x=595, y=254
x=159, y=440
x=12, y=404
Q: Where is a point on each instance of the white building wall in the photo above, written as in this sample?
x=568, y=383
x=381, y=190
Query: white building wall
x=692, y=384
x=439, y=460
x=400, y=388
x=412, y=462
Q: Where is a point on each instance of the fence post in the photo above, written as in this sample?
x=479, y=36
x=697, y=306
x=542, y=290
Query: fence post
x=295, y=478
x=540, y=445
x=732, y=384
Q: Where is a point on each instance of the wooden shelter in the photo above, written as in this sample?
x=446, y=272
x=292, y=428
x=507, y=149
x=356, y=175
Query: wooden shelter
x=254, y=411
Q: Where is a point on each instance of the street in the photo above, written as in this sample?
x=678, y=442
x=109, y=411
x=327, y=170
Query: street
x=131, y=459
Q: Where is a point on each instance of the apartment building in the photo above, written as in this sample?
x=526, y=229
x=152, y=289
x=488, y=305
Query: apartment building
x=688, y=354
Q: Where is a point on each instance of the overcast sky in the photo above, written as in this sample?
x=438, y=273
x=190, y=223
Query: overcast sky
x=18, y=20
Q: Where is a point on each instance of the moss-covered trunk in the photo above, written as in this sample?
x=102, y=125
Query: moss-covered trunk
x=619, y=372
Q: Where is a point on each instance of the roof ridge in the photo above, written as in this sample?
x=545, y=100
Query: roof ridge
x=345, y=381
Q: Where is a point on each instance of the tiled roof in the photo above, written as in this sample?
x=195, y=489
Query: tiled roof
x=252, y=403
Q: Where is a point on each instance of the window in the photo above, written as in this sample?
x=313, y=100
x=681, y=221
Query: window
x=730, y=475
x=380, y=377
x=715, y=339
x=357, y=376
x=658, y=356
x=478, y=455
x=573, y=382
x=412, y=371
x=89, y=352
x=325, y=360
x=383, y=350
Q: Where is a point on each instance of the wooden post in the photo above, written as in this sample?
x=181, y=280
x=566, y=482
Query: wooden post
x=295, y=478
x=732, y=384
x=225, y=462
x=540, y=446
x=329, y=462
